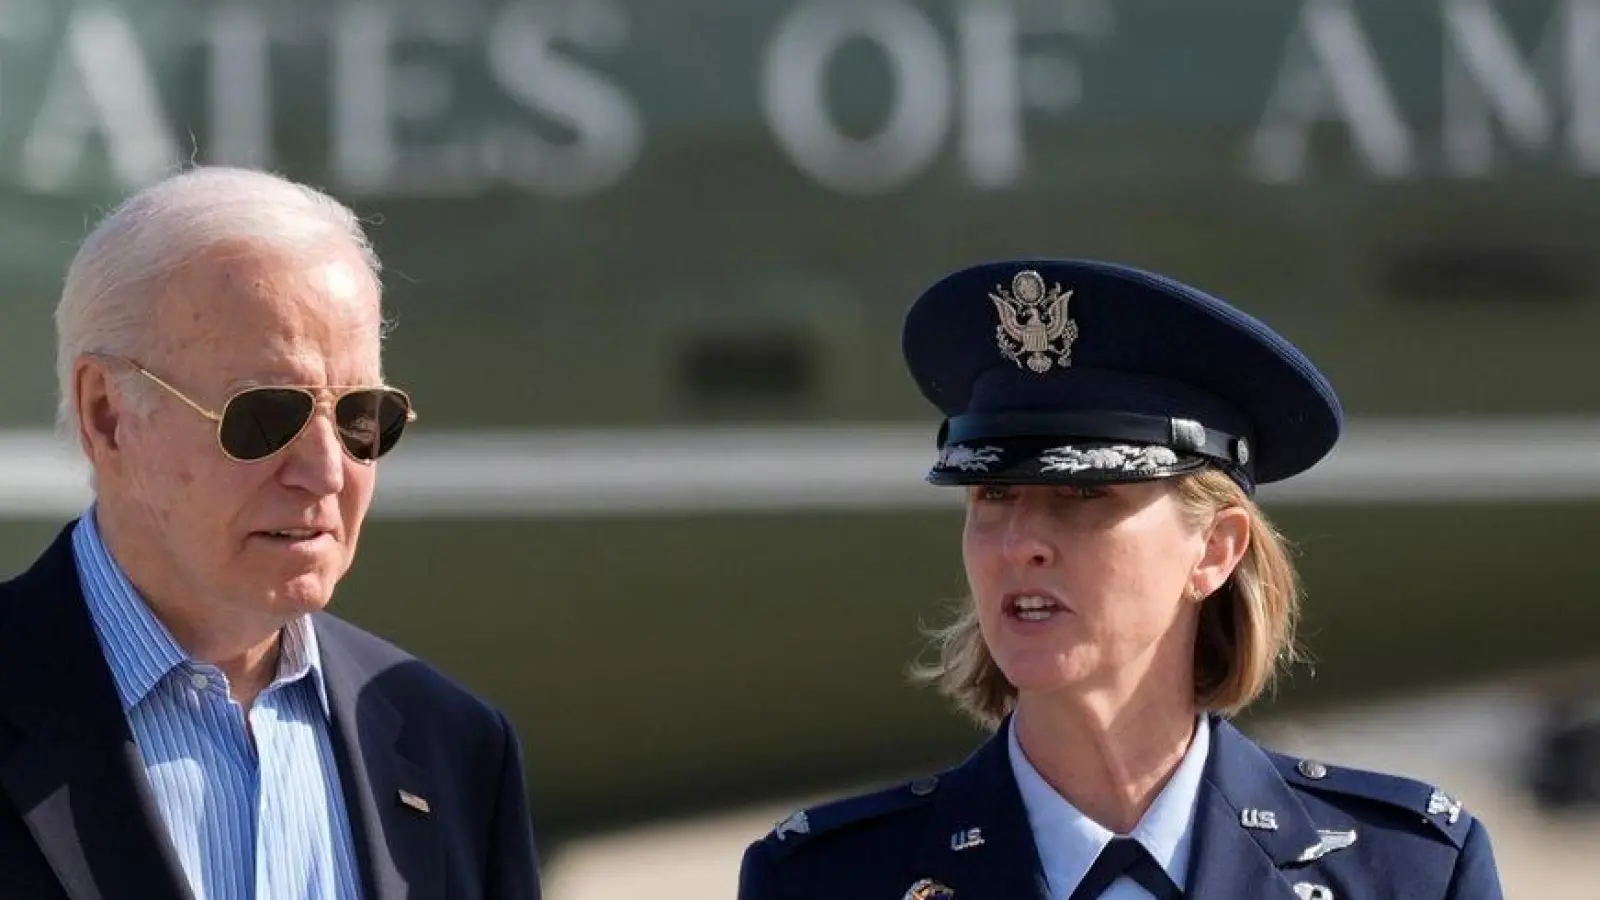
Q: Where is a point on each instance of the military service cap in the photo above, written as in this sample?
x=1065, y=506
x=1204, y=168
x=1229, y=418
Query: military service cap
x=1078, y=371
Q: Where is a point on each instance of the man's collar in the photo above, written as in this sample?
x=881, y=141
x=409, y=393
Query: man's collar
x=139, y=649
x=300, y=656
x=137, y=646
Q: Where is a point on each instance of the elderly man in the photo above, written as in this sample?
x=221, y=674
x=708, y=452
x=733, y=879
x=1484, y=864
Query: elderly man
x=178, y=716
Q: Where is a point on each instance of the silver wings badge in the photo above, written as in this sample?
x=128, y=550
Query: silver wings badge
x=1034, y=326
x=1327, y=842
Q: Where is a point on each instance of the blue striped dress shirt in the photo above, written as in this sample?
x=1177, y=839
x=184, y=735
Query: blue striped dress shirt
x=253, y=814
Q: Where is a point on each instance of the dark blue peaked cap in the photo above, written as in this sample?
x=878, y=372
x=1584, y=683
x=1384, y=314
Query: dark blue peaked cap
x=1075, y=371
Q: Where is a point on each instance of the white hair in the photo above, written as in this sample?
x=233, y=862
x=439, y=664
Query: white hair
x=121, y=268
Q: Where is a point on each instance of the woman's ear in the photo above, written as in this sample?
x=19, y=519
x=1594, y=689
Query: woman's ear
x=1227, y=539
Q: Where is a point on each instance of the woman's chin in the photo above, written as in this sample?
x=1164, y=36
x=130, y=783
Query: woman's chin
x=1043, y=672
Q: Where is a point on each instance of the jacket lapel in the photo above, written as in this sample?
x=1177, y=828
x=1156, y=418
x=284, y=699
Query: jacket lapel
x=1230, y=859
x=67, y=758
x=981, y=795
x=398, y=843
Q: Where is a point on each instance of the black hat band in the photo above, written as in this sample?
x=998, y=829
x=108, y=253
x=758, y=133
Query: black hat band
x=1181, y=435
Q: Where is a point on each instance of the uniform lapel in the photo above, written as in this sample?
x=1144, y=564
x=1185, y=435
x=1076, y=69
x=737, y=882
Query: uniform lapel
x=68, y=762
x=1249, y=824
x=1235, y=853
x=1000, y=859
x=398, y=842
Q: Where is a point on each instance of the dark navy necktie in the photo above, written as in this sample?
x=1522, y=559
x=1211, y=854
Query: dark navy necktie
x=1126, y=856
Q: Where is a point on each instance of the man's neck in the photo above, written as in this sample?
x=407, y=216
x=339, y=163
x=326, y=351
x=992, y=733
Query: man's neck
x=247, y=651
x=251, y=672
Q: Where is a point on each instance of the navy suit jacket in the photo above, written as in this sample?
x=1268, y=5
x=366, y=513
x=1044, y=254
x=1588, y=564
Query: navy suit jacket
x=910, y=841
x=77, y=821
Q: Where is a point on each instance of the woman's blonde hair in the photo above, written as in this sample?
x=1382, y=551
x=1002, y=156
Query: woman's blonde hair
x=1246, y=628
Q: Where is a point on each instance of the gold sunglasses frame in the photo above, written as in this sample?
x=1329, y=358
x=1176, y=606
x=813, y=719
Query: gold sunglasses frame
x=315, y=392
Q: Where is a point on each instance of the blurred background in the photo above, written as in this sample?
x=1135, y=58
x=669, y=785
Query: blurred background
x=647, y=263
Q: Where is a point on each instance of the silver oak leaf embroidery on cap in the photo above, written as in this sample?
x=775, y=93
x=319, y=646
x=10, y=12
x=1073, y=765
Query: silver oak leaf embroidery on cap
x=1114, y=458
x=968, y=459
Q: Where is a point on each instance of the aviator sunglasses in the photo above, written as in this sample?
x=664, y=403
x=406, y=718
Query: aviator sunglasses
x=257, y=422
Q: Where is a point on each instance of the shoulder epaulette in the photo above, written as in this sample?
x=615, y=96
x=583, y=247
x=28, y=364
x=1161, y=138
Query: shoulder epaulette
x=1431, y=804
x=807, y=824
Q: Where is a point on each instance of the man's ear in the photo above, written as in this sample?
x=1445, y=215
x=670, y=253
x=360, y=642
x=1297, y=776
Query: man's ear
x=101, y=406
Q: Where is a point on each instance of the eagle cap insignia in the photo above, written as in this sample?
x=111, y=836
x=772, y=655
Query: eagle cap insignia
x=1034, y=329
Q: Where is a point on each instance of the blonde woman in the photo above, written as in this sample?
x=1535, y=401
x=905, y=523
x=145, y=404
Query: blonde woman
x=1109, y=428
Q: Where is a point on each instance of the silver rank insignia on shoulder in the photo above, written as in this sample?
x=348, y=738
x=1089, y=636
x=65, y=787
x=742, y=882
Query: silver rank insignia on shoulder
x=795, y=824
x=1034, y=325
x=1305, y=890
x=1328, y=842
x=1443, y=803
x=1259, y=819
x=928, y=889
x=966, y=840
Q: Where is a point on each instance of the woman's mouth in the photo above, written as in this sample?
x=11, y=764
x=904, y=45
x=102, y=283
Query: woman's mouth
x=1033, y=607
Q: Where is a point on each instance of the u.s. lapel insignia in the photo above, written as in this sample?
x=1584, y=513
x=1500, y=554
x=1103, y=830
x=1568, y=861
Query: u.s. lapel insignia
x=1305, y=890
x=928, y=889
x=1259, y=819
x=1327, y=842
x=1442, y=803
x=795, y=824
x=420, y=804
x=966, y=840
x=1034, y=326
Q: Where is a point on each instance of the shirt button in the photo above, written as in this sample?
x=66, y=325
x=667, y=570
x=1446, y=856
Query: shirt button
x=199, y=681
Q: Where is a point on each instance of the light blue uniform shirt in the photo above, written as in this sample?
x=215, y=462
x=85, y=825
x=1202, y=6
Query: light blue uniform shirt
x=252, y=816
x=1069, y=841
